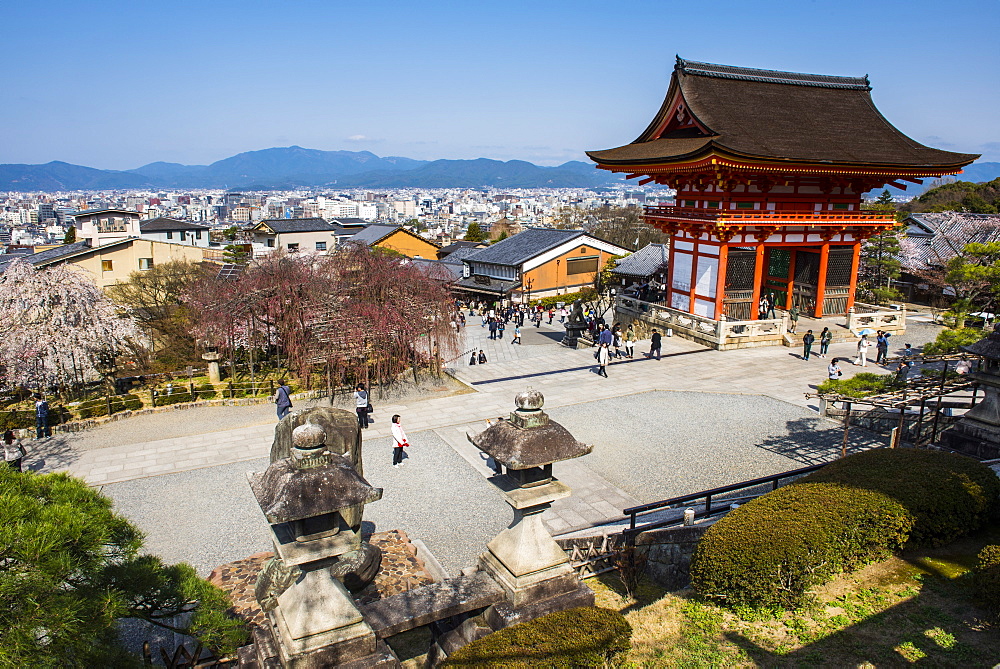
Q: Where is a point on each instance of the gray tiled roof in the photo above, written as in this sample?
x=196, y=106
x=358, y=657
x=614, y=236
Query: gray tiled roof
x=644, y=262
x=164, y=224
x=350, y=222
x=286, y=225
x=438, y=269
x=454, y=246
x=934, y=239
x=486, y=285
x=47, y=255
x=461, y=253
x=522, y=247
x=373, y=234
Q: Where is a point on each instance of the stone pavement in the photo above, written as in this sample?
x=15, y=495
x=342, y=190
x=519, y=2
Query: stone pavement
x=566, y=378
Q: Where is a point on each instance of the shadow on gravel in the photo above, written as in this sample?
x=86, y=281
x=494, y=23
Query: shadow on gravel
x=51, y=454
x=811, y=442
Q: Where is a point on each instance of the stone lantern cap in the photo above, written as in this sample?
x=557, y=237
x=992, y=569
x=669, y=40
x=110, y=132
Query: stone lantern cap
x=529, y=438
x=287, y=492
x=988, y=347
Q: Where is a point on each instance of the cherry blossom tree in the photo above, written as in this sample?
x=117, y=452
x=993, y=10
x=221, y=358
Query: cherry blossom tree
x=57, y=328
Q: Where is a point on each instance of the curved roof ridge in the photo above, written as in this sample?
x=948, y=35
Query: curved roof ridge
x=771, y=76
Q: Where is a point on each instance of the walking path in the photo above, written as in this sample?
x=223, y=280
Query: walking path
x=568, y=381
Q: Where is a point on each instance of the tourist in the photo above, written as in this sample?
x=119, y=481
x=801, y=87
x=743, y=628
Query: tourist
x=863, y=346
x=517, y=335
x=603, y=357
x=552, y=313
x=562, y=314
x=361, y=405
x=607, y=337
x=825, y=337
x=654, y=344
x=472, y=358
x=398, y=442
x=482, y=357
x=13, y=450
x=807, y=344
x=616, y=335
x=42, y=428
x=501, y=326
x=908, y=354
x=762, y=307
x=793, y=319
x=963, y=367
x=282, y=397
x=833, y=370
x=630, y=342
x=902, y=371
x=493, y=328
x=882, y=347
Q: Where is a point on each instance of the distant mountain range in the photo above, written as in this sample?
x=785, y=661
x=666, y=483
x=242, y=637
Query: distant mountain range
x=294, y=167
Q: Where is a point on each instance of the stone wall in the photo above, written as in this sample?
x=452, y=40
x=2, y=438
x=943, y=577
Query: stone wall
x=668, y=552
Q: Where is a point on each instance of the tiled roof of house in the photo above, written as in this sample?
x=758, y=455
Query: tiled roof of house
x=524, y=246
x=286, y=225
x=438, y=269
x=644, y=262
x=373, y=234
x=164, y=224
x=934, y=239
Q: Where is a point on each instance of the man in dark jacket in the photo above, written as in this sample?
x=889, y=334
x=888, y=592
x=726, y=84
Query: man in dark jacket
x=654, y=344
x=282, y=397
x=807, y=344
x=42, y=428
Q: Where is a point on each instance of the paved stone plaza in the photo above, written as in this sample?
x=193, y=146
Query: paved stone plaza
x=695, y=419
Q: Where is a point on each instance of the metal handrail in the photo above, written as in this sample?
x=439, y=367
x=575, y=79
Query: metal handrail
x=634, y=511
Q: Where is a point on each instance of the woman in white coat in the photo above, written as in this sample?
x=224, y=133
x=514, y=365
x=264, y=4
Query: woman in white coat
x=863, y=346
x=398, y=442
x=603, y=358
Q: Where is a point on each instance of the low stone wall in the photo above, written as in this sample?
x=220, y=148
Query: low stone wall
x=668, y=552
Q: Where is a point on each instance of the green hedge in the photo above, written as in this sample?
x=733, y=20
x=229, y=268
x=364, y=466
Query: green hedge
x=180, y=394
x=587, y=295
x=771, y=551
x=986, y=577
x=99, y=407
x=859, y=385
x=947, y=495
x=952, y=341
x=581, y=637
x=14, y=419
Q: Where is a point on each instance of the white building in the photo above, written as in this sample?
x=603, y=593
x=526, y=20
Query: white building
x=174, y=232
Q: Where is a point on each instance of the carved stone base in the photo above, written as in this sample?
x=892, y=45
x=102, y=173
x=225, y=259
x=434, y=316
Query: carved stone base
x=532, y=586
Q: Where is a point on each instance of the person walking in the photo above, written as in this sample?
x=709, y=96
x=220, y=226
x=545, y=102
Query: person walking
x=552, y=313
x=493, y=328
x=833, y=371
x=606, y=337
x=882, y=347
x=863, y=346
x=282, y=397
x=807, y=344
x=517, y=335
x=42, y=428
x=361, y=405
x=654, y=344
x=482, y=357
x=500, y=328
x=629, y=342
x=825, y=337
x=603, y=357
x=13, y=450
x=793, y=319
x=399, y=442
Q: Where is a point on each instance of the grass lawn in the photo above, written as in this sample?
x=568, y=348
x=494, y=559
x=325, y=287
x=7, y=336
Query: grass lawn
x=916, y=608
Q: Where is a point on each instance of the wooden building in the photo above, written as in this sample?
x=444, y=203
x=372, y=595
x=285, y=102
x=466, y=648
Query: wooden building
x=769, y=169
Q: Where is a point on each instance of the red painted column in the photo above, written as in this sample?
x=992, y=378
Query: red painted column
x=855, y=261
x=824, y=260
x=720, y=281
x=758, y=279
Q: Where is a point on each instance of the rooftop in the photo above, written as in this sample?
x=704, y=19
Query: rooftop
x=518, y=249
x=644, y=262
x=286, y=225
x=746, y=113
x=164, y=224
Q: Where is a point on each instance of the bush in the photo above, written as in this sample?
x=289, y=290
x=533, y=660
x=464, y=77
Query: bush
x=587, y=295
x=23, y=419
x=206, y=391
x=947, y=495
x=99, y=407
x=986, y=577
x=771, y=551
x=952, y=341
x=580, y=637
x=179, y=394
x=860, y=385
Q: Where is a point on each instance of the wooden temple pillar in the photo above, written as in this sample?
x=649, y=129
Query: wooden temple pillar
x=855, y=262
x=758, y=280
x=720, y=282
x=824, y=261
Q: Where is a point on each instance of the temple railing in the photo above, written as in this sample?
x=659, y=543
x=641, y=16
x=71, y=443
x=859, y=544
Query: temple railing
x=869, y=316
x=835, y=300
x=760, y=215
x=720, y=334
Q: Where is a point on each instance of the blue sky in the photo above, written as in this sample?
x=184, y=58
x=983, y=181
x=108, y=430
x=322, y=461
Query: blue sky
x=119, y=84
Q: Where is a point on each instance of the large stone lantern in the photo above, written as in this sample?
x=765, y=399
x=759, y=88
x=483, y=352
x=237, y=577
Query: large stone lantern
x=524, y=559
x=977, y=433
x=304, y=497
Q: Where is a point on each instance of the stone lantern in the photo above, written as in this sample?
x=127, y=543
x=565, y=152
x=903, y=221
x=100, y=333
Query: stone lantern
x=314, y=620
x=211, y=356
x=977, y=433
x=524, y=559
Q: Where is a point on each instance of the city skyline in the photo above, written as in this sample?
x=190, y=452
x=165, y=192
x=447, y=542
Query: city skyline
x=120, y=85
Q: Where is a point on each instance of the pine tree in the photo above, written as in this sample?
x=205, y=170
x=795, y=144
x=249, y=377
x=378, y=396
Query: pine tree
x=70, y=235
x=474, y=233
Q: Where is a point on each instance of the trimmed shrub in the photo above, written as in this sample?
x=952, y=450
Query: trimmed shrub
x=986, y=577
x=587, y=295
x=206, y=392
x=180, y=394
x=947, y=495
x=582, y=637
x=771, y=551
x=859, y=385
x=99, y=407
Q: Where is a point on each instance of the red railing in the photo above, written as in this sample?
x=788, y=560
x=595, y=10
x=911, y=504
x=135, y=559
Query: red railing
x=757, y=215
